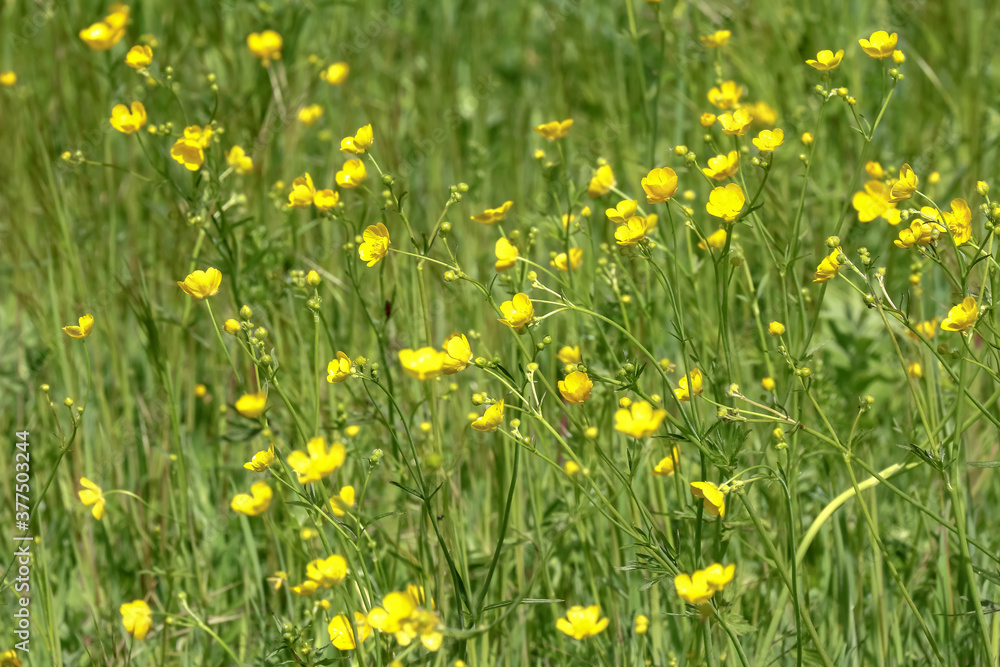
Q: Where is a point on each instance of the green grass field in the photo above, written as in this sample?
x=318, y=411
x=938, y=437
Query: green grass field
x=759, y=428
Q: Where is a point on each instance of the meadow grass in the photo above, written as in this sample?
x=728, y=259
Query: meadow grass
x=858, y=484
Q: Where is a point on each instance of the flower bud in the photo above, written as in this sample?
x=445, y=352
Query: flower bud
x=246, y=313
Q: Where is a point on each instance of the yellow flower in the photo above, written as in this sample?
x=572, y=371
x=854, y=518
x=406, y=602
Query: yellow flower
x=336, y=74
x=641, y=624
x=360, y=142
x=402, y=616
x=517, y=312
x=252, y=406
x=506, y=253
x=305, y=589
x=576, y=387
x=874, y=170
x=555, y=129
x=768, y=140
x=807, y=138
x=726, y=96
x=722, y=167
x=491, y=419
x=320, y=462
x=262, y=460
x=873, y=201
x=639, y=420
x=189, y=150
x=308, y=115
x=959, y=221
x=9, y=658
x=660, y=184
x=339, y=369
x=423, y=364
x=137, y=618
x=928, y=328
x=962, y=316
x=202, y=284
x=718, y=577
x=342, y=500
x=898, y=57
x=231, y=326
x=91, y=494
x=303, y=192
x=254, y=503
x=693, y=589
x=602, y=182
x=632, y=232
x=128, y=122
x=265, y=45
x=139, y=57
x=668, y=464
x=828, y=268
x=342, y=635
x=491, y=215
x=568, y=354
x=735, y=123
x=8, y=79
x=376, y=244
x=622, y=211
x=776, y=328
x=726, y=202
x=920, y=232
x=683, y=392
x=915, y=371
x=713, y=499
x=86, y=326
x=352, y=174
x=707, y=120
x=279, y=578
x=200, y=390
x=716, y=39
x=239, y=161
x=716, y=240
x=905, y=186
x=308, y=534
x=826, y=60
x=571, y=468
x=581, y=623
x=327, y=572
x=879, y=45
x=104, y=34
x=326, y=199
x=767, y=384
x=575, y=260
x=457, y=353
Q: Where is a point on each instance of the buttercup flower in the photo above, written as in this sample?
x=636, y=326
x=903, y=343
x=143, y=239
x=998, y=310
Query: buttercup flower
x=336, y=74
x=343, y=635
x=716, y=39
x=517, y=312
x=639, y=420
x=826, y=60
x=762, y=113
x=707, y=120
x=576, y=387
x=828, y=268
x=874, y=170
x=959, y=221
x=693, y=589
x=492, y=215
x=768, y=140
x=327, y=572
x=722, y=167
x=581, y=623
x=491, y=419
x=326, y=199
x=239, y=161
x=713, y=499
x=554, y=129
x=683, y=392
x=305, y=589
x=602, y=182
x=91, y=494
x=376, y=244
x=339, y=369
x=8, y=79
x=202, y=284
x=256, y=502
x=402, y=616
x=668, y=464
x=569, y=354
x=457, y=353
x=718, y=577
x=137, y=618
x=189, y=150
x=767, y=384
x=86, y=325
x=506, y=253
x=622, y=211
x=660, y=184
x=320, y=462
x=641, y=624
x=575, y=260
x=9, y=657
x=104, y=34
x=126, y=121
x=726, y=202
x=880, y=45
x=340, y=502
x=735, y=123
x=265, y=45
x=962, y=316
x=252, y=406
x=423, y=364
x=303, y=192
x=726, y=96
x=262, y=460
x=915, y=371
x=927, y=328
x=139, y=57
x=360, y=142
x=352, y=174
x=632, y=232
x=920, y=232
x=873, y=202
x=776, y=328
x=905, y=186
x=308, y=115
x=716, y=240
